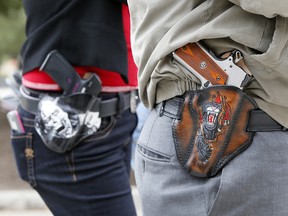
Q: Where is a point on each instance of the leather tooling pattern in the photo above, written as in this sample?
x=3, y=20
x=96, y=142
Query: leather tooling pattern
x=214, y=116
x=211, y=129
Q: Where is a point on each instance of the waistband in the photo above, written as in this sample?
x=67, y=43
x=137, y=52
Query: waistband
x=259, y=121
x=111, y=104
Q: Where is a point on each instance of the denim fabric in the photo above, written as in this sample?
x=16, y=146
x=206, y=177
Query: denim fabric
x=254, y=183
x=92, y=179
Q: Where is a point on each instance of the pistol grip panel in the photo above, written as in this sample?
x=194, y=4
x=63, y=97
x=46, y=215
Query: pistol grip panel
x=194, y=56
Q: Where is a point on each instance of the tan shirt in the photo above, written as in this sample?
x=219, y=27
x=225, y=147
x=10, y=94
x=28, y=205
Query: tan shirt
x=258, y=28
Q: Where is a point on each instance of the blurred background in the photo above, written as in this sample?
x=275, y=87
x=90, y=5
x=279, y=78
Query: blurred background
x=12, y=34
x=16, y=197
x=12, y=23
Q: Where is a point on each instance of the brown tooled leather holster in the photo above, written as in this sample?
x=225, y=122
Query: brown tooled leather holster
x=212, y=129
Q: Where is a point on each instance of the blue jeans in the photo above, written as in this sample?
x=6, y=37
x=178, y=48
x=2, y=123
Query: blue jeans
x=92, y=179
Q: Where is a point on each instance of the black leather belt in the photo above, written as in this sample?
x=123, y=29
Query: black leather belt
x=259, y=121
x=109, y=107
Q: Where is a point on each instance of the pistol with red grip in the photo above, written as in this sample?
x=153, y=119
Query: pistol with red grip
x=211, y=70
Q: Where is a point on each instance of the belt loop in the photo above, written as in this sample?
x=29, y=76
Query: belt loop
x=134, y=101
x=120, y=104
x=171, y=108
x=161, y=108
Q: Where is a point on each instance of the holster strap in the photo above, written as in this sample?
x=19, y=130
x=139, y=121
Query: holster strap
x=108, y=107
x=259, y=121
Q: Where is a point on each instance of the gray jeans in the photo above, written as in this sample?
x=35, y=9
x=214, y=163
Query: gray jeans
x=254, y=183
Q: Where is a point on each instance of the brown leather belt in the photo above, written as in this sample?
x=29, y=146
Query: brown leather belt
x=259, y=121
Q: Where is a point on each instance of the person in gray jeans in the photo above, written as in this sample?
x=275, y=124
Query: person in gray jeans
x=254, y=181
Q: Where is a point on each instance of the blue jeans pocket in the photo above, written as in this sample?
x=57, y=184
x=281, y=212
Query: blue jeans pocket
x=22, y=145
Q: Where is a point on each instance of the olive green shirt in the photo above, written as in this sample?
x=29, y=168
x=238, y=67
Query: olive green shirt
x=258, y=28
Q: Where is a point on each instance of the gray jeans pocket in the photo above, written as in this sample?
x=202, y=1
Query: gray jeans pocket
x=151, y=154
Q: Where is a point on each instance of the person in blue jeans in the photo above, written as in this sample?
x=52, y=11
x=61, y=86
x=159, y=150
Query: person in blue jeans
x=92, y=177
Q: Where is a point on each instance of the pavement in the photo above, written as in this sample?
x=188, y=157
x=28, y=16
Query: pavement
x=28, y=202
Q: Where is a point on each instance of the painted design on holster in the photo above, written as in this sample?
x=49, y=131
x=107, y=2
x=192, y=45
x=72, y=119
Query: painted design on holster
x=215, y=114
